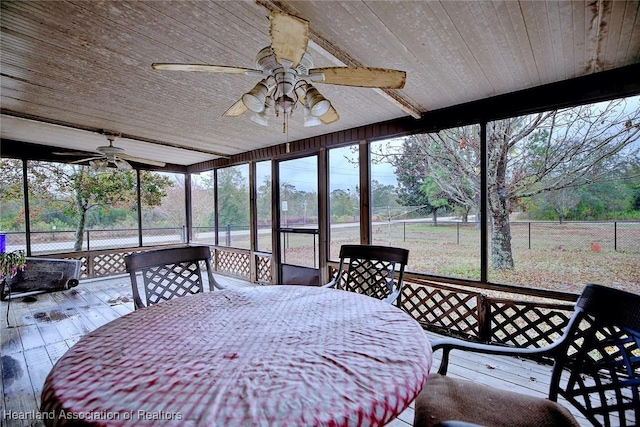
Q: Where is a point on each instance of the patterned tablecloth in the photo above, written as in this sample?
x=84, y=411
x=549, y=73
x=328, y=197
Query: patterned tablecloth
x=274, y=355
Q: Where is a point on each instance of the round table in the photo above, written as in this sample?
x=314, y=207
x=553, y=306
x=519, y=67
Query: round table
x=273, y=355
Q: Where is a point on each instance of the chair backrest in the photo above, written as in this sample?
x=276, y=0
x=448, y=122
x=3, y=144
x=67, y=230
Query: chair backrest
x=369, y=270
x=168, y=273
x=597, y=365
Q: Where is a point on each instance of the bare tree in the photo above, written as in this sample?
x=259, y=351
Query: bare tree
x=527, y=155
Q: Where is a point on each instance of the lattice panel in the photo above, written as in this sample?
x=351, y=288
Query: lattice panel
x=608, y=373
x=84, y=267
x=526, y=325
x=172, y=280
x=372, y=278
x=263, y=269
x=233, y=263
x=108, y=264
x=457, y=311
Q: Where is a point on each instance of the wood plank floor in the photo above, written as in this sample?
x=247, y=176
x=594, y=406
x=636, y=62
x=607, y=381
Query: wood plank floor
x=41, y=331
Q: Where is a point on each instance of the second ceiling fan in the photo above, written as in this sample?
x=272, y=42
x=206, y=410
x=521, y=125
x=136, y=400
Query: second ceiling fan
x=288, y=75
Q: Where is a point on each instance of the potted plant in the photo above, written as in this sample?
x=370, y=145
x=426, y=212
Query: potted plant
x=11, y=263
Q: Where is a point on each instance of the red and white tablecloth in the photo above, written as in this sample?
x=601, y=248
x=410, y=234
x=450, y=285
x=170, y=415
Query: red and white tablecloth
x=274, y=355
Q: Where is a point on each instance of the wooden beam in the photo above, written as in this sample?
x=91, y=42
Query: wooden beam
x=30, y=151
x=106, y=132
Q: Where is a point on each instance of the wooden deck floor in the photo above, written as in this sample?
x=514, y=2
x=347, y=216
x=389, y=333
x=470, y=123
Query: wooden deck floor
x=41, y=331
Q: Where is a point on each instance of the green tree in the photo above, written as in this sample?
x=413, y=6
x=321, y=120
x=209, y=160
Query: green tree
x=233, y=197
x=264, y=200
x=383, y=195
x=410, y=169
x=80, y=189
x=344, y=205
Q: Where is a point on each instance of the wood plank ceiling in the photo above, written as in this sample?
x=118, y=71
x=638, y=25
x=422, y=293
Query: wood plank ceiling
x=70, y=68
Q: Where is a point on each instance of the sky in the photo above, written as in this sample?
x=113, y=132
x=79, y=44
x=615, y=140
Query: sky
x=343, y=171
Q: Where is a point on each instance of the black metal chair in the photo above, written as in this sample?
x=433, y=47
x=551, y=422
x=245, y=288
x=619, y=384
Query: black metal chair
x=169, y=273
x=370, y=270
x=596, y=368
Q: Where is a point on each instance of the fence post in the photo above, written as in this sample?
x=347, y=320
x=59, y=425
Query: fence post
x=90, y=266
x=404, y=231
x=457, y=233
x=228, y=235
x=529, y=226
x=615, y=236
x=88, y=247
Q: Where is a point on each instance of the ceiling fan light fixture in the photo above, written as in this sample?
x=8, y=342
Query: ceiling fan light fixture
x=122, y=164
x=285, y=104
x=309, y=119
x=260, y=118
x=98, y=165
x=255, y=98
x=317, y=103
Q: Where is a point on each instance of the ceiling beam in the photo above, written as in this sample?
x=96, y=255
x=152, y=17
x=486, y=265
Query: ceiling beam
x=29, y=151
x=75, y=126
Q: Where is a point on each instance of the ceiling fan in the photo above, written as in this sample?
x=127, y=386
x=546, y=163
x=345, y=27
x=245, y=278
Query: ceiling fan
x=109, y=154
x=287, y=75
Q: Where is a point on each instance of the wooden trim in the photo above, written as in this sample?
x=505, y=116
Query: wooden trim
x=139, y=207
x=29, y=151
x=27, y=215
x=364, y=161
x=484, y=204
x=323, y=219
x=188, y=207
x=253, y=220
x=216, y=223
x=276, y=247
x=515, y=289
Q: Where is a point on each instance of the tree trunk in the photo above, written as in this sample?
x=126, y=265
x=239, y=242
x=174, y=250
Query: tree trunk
x=501, y=255
x=82, y=217
x=498, y=198
x=434, y=214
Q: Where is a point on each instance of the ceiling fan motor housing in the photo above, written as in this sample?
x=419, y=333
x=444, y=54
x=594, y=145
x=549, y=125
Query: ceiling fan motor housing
x=109, y=150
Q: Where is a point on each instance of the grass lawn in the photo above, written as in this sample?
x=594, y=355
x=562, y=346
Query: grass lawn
x=554, y=256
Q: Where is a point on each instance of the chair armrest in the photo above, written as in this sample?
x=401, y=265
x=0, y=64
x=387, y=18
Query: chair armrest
x=331, y=284
x=454, y=423
x=448, y=344
x=392, y=297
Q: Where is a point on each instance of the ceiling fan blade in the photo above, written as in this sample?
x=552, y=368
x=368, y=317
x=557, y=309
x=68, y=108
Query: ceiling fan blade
x=86, y=160
x=236, y=109
x=289, y=37
x=72, y=153
x=330, y=116
x=122, y=164
x=205, y=68
x=141, y=160
x=361, y=77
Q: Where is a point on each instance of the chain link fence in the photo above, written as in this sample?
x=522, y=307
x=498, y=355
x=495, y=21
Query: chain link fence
x=55, y=241
x=619, y=236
